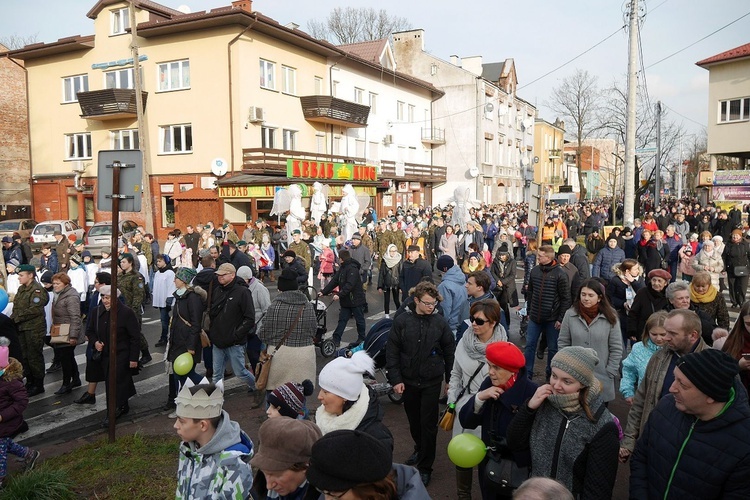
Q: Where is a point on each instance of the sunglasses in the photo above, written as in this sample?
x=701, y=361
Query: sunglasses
x=477, y=321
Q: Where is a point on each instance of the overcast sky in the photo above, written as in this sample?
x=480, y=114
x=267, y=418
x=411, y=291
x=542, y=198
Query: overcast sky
x=539, y=34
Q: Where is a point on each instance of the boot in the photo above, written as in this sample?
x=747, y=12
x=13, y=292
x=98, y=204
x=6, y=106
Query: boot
x=464, y=478
x=145, y=357
x=270, y=276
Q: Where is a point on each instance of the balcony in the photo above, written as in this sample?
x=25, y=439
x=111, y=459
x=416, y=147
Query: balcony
x=334, y=111
x=554, y=154
x=109, y=104
x=555, y=180
x=435, y=136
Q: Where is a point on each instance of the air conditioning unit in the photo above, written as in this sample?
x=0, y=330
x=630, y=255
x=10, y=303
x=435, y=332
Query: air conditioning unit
x=388, y=140
x=256, y=115
x=78, y=167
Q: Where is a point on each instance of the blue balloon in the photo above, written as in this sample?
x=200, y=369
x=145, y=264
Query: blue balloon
x=3, y=299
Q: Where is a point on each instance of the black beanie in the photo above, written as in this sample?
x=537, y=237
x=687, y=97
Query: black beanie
x=711, y=371
x=287, y=280
x=343, y=459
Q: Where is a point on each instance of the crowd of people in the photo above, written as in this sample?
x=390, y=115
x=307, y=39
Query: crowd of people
x=637, y=309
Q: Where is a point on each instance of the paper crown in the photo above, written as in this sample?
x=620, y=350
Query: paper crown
x=200, y=401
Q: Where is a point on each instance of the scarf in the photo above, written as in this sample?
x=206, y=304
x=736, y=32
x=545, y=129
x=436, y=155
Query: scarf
x=511, y=381
x=472, y=268
x=588, y=313
x=476, y=349
x=567, y=403
x=704, y=298
x=390, y=262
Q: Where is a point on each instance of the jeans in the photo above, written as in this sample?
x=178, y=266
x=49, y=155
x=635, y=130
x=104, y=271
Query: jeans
x=164, y=315
x=421, y=407
x=532, y=337
x=344, y=315
x=236, y=356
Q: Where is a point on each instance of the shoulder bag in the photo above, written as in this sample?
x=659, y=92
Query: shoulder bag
x=449, y=414
x=263, y=367
x=501, y=473
x=60, y=334
x=740, y=271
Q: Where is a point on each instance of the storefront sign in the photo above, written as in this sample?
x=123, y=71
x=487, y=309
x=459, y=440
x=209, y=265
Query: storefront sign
x=731, y=178
x=726, y=193
x=415, y=186
x=235, y=192
x=324, y=171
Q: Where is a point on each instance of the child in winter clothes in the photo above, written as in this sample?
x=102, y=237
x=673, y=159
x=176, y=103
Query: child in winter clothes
x=634, y=366
x=13, y=402
x=289, y=400
x=687, y=256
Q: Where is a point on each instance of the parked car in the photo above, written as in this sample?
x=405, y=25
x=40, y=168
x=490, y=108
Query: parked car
x=20, y=226
x=100, y=235
x=44, y=232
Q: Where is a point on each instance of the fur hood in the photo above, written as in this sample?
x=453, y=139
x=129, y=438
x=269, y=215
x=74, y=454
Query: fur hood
x=14, y=371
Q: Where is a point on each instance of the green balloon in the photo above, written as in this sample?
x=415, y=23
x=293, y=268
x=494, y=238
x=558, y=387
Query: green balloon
x=466, y=450
x=183, y=364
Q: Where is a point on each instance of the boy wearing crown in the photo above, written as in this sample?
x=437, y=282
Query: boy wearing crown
x=215, y=453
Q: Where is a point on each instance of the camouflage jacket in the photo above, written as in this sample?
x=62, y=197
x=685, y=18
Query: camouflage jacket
x=302, y=249
x=382, y=240
x=132, y=288
x=367, y=241
x=28, y=307
x=218, y=470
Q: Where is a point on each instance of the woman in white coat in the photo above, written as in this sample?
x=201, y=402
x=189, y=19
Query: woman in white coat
x=592, y=322
x=470, y=370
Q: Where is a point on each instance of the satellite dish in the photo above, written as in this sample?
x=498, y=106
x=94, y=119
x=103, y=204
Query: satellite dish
x=524, y=161
x=474, y=171
x=536, y=159
x=184, y=9
x=489, y=107
x=219, y=167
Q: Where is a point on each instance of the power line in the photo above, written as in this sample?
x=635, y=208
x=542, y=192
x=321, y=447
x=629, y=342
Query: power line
x=683, y=116
x=698, y=41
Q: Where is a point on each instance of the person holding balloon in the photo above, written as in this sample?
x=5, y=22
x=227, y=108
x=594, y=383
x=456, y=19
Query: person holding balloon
x=184, y=349
x=571, y=435
x=493, y=406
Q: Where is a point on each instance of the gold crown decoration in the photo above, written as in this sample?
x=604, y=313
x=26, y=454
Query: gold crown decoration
x=194, y=401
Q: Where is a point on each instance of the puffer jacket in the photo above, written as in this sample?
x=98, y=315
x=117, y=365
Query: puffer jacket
x=605, y=260
x=679, y=456
x=420, y=349
x=13, y=398
x=412, y=273
x=634, y=367
x=455, y=302
x=66, y=309
x=349, y=281
x=548, y=293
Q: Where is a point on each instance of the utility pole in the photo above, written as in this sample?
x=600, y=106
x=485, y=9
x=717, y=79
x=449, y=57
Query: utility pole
x=629, y=206
x=142, y=132
x=679, y=171
x=657, y=163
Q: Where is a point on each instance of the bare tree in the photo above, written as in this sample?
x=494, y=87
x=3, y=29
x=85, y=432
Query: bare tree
x=351, y=25
x=13, y=42
x=578, y=100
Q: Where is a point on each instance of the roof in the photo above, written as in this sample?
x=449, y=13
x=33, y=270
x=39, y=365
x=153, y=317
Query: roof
x=67, y=44
x=369, y=51
x=493, y=72
x=196, y=194
x=146, y=5
x=736, y=53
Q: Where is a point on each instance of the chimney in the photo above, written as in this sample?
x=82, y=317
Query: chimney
x=246, y=5
x=455, y=61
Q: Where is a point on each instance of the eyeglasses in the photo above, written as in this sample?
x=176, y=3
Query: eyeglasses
x=333, y=494
x=477, y=321
x=428, y=304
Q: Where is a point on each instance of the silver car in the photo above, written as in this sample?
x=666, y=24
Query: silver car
x=100, y=235
x=44, y=232
x=20, y=226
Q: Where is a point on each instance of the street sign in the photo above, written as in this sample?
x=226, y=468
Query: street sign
x=131, y=179
x=645, y=150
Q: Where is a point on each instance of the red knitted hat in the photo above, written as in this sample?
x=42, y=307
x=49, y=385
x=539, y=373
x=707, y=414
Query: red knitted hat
x=505, y=355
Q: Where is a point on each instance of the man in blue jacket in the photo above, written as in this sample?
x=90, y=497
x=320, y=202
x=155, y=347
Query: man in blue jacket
x=453, y=289
x=696, y=443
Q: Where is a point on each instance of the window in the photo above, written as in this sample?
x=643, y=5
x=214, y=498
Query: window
x=174, y=75
x=400, y=110
x=373, y=103
x=318, y=85
x=74, y=84
x=288, y=80
x=335, y=89
x=488, y=151
x=290, y=139
x=125, y=139
x=320, y=143
x=374, y=147
x=411, y=113
x=120, y=21
x=176, y=139
x=268, y=137
x=734, y=110
x=359, y=146
x=77, y=146
x=337, y=145
x=120, y=79
x=359, y=95
x=267, y=75
x=185, y=187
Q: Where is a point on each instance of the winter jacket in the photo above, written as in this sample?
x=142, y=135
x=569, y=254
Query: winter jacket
x=455, y=301
x=66, y=310
x=650, y=255
x=679, y=456
x=548, y=293
x=605, y=260
x=648, y=393
x=505, y=273
x=477, y=238
x=239, y=259
x=579, y=258
x=714, y=263
x=449, y=245
x=483, y=267
x=420, y=349
x=388, y=276
x=13, y=399
x=528, y=264
x=412, y=273
x=647, y=301
x=735, y=254
x=327, y=259
x=716, y=310
x=634, y=367
x=220, y=469
x=185, y=328
x=349, y=281
x=50, y=263
x=629, y=243
x=232, y=315
x=298, y=266
x=364, y=415
x=601, y=336
x=361, y=254
x=617, y=292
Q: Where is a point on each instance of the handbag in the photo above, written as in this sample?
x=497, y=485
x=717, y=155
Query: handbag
x=740, y=270
x=60, y=334
x=503, y=475
x=449, y=414
x=205, y=341
x=263, y=367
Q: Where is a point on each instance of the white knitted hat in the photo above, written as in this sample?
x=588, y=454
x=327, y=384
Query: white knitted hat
x=343, y=376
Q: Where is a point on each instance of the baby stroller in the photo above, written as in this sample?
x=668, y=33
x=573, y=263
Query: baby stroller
x=326, y=344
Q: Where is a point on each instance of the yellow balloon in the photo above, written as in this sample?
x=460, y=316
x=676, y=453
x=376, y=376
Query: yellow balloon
x=183, y=364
